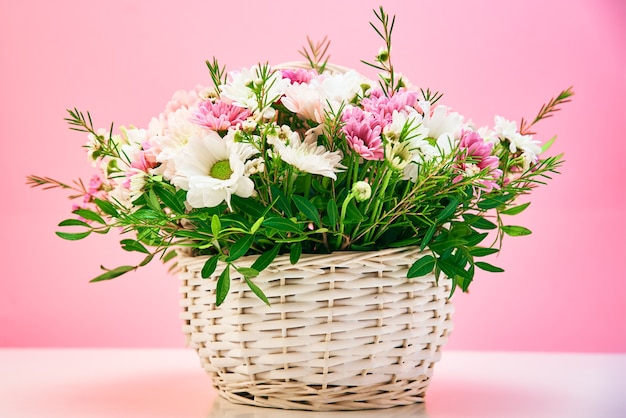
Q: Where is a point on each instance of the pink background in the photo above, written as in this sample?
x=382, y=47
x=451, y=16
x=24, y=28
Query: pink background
x=564, y=286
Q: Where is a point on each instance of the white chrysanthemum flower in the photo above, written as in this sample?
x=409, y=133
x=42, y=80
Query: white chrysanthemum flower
x=177, y=131
x=529, y=147
x=133, y=140
x=238, y=90
x=338, y=88
x=136, y=183
x=398, y=155
x=323, y=94
x=505, y=128
x=121, y=195
x=443, y=125
x=305, y=100
x=488, y=135
x=212, y=169
x=306, y=156
x=405, y=126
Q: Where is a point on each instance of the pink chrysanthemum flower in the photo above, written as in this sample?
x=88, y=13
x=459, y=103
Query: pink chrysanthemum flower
x=219, y=116
x=183, y=98
x=363, y=133
x=475, y=157
x=382, y=107
x=298, y=75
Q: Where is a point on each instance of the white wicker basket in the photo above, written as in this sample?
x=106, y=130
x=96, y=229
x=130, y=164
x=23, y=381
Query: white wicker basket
x=344, y=331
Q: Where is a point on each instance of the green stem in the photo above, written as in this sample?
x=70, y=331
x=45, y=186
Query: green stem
x=307, y=185
x=342, y=216
x=374, y=218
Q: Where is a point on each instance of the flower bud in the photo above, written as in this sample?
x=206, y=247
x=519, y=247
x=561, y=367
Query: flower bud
x=383, y=55
x=361, y=191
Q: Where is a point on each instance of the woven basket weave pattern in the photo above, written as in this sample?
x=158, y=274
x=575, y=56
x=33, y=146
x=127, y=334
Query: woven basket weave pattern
x=344, y=331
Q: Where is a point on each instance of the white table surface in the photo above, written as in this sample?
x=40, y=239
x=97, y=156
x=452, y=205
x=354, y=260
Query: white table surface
x=169, y=383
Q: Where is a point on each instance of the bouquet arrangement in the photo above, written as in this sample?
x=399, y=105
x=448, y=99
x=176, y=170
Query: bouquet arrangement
x=309, y=158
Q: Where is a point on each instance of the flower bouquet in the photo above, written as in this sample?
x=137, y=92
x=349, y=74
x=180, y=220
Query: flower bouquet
x=309, y=184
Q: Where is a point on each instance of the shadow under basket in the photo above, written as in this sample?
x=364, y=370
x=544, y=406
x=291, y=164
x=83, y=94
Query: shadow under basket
x=345, y=331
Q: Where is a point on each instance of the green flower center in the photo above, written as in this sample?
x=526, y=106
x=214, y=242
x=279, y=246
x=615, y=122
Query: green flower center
x=221, y=170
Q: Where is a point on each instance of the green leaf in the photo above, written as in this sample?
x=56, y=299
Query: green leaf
x=257, y=225
x=251, y=207
x=448, y=211
x=132, y=245
x=216, y=226
x=146, y=214
x=280, y=200
x=488, y=267
x=492, y=202
x=152, y=201
x=73, y=236
x=479, y=222
x=209, y=266
x=106, y=207
x=515, y=209
x=170, y=199
x=308, y=209
x=223, y=286
x=295, y=252
x=281, y=224
x=146, y=260
x=475, y=239
x=266, y=259
x=287, y=240
x=482, y=251
x=429, y=235
x=353, y=215
x=405, y=242
x=333, y=213
x=452, y=270
x=74, y=222
x=90, y=215
x=516, y=231
x=247, y=271
x=256, y=290
x=422, y=267
x=548, y=144
x=111, y=274
x=240, y=248
x=169, y=255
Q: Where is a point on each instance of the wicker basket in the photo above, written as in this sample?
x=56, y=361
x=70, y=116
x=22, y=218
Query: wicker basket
x=345, y=331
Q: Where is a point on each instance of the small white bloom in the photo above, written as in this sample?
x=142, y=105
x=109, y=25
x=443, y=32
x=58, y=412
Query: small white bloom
x=248, y=125
x=255, y=166
x=306, y=156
